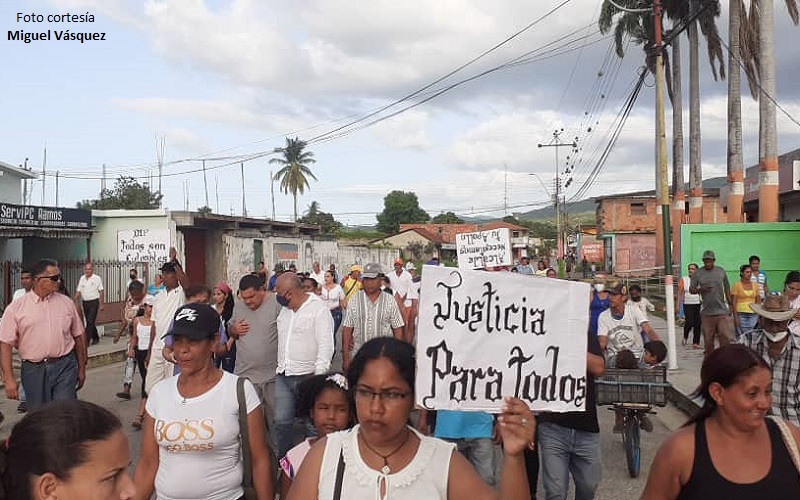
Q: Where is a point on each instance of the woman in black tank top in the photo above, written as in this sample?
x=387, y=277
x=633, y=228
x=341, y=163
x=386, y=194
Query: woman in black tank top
x=730, y=450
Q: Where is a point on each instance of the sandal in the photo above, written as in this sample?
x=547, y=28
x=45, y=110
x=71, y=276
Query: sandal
x=137, y=422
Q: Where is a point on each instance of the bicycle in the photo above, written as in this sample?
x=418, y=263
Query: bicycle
x=633, y=393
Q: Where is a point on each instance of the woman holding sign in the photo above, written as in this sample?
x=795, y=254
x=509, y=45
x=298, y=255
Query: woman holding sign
x=382, y=457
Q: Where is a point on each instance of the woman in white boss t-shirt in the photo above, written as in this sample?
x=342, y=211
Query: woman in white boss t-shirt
x=190, y=444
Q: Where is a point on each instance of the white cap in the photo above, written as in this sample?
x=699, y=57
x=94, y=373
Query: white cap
x=410, y=266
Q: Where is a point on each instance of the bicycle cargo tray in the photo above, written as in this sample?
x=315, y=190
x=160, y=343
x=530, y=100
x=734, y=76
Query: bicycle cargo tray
x=645, y=386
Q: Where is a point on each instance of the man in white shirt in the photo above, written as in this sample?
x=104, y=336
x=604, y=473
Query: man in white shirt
x=90, y=292
x=165, y=305
x=305, y=348
x=619, y=327
x=26, y=280
x=317, y=274
x=401, y=282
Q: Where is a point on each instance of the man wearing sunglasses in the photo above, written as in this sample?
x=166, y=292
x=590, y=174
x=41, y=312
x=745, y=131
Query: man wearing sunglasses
x=45, y=328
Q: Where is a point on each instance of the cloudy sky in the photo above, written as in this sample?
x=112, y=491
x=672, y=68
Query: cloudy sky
x=230, y=79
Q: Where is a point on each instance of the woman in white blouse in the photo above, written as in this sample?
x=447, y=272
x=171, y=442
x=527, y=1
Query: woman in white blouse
x=333, y=295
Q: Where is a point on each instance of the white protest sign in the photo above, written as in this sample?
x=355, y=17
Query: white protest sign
x=486, y=335
x=143, y=245
x=484, y=249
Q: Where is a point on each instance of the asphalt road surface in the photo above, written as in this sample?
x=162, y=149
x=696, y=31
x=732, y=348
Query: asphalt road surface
x=103, y=383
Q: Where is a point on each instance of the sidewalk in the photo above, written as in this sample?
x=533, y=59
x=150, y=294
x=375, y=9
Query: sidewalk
x=686, y=378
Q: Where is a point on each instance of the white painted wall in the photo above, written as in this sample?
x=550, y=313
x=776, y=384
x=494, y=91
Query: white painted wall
x=108, y=222
x=303, y=252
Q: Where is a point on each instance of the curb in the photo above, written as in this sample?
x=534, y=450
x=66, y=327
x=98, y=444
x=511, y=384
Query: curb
x=683, y=402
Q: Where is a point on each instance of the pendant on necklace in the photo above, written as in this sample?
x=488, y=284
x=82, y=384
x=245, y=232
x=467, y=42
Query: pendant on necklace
x=386, y=470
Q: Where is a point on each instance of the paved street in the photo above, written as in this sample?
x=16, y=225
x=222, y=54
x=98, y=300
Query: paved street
x=102, y=383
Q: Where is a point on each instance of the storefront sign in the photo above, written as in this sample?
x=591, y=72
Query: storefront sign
x=44, y=217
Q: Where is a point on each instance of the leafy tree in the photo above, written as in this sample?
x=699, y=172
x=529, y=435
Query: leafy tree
x=400, y=207
x=205, y=210
x=128, y=193
x=447, y=218
x=323, y=219
x=295, y=171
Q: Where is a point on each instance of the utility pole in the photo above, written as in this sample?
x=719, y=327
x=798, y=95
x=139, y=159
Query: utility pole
x=272, y=192
x=25, y=184
x=44, y=175
x=160, y=158
x=205, y=183
x=556, y=143
x=57, y=173
x=661, y=155
x=103, y=181
x=244, y=201
x=216, y=190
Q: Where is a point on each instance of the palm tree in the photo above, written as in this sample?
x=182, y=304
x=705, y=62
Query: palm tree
x=295, y=171
x=735, y=161
x=768, y=134
x=639, y=26
x=678, y=186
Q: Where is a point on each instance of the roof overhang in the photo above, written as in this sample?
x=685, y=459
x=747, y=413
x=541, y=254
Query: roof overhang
x=44, y=232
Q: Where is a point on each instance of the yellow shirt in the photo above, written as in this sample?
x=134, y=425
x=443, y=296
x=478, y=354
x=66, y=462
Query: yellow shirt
x=351, y=286
x=744, y=297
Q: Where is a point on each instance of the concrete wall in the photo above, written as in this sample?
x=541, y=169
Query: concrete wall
x=775, y=243
x=10, y=249
x=108, y=222
x=10, y=189
x=10, y=192
x=634, y=252
x=402, y=240
x=303, y=252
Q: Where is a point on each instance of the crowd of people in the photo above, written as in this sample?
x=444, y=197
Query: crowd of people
x=238, y=387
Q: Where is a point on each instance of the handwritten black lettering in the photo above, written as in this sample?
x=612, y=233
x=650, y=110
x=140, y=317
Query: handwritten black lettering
x=461, y=383
x=491, y=314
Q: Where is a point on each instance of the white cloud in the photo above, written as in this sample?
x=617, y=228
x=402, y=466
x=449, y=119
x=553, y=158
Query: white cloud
x=406, y=131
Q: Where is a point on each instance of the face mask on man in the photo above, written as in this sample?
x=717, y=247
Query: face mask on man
x=776, y=336
x=283, y=301
x=599, y=287
x=636, y=298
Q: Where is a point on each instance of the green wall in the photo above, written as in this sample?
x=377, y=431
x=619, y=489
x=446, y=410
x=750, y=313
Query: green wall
x=778, y=245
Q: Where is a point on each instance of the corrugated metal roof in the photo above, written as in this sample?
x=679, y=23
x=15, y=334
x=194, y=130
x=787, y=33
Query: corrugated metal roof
x=43, y=232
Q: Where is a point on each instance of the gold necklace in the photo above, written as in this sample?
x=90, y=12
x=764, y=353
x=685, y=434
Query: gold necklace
x=385, y=469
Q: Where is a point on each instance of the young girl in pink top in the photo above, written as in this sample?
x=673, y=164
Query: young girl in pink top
x=324, y=400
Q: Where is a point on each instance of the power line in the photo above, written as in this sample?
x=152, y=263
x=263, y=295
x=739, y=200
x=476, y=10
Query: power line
x=442, y=78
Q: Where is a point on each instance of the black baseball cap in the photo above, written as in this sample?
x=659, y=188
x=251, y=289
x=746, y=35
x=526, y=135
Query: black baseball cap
x=195, y=322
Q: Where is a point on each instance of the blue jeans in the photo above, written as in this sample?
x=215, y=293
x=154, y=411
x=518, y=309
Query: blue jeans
x=46, y=382
x=285, y=410
x=566, y=451
x=480, y=453
x=747, y=321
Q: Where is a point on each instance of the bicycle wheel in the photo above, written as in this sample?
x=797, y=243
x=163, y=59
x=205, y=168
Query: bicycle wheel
x=630, y=438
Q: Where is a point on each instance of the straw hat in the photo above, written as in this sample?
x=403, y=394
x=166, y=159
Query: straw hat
x=775, y=307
